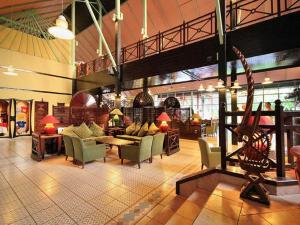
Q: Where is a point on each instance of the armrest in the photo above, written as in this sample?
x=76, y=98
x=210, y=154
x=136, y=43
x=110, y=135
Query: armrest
x=130, y=147
x=215, y=149
x=130, y=152
x=94, y=147
x=88, y=143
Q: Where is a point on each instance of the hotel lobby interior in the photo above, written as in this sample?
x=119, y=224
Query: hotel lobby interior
x=154, y=112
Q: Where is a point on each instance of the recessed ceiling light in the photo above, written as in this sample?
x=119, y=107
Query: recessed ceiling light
x=236, y=85
x=267, y=80
x=10, y=71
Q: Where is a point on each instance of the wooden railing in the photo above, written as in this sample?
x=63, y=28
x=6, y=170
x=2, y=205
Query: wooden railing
x=239, y=14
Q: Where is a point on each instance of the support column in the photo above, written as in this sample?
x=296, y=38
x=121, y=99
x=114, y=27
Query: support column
x=233, y=76
x=73, y=52
x=145, y=20
x=100, y=49
x=118, y=19
x=222, y=70
x=234, y=107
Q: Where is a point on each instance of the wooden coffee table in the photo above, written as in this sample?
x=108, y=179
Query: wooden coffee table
x=112, y=141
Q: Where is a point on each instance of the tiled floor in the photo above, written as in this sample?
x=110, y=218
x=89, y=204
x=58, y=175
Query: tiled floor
x=55, y=191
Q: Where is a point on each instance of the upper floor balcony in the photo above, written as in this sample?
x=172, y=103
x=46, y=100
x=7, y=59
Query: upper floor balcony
x=240, y=14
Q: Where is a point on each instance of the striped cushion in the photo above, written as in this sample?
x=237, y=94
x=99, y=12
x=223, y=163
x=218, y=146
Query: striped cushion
x=83, y=131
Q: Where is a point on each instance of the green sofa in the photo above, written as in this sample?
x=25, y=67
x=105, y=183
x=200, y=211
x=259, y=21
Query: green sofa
x=137, y=153
x=86, y=152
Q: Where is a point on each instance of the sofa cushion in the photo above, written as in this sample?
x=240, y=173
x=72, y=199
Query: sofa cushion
x=97, y=130
x=130, y=129
x=143, y=131
x=153, y=129
x=69, y=131
x=83, y=131
x=130, y=138
x=137, y=129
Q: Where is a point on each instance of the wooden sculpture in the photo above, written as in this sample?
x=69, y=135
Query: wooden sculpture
x=253, y=155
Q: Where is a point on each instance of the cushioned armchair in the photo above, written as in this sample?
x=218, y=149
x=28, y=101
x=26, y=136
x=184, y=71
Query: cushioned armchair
x=137, y=153
x=88, y=151
x=158, y=145
x=68, y=146
x=210, y=156
x=211, y=130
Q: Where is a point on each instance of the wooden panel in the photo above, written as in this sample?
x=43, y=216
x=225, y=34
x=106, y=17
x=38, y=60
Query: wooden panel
x=40, y=111
x=62, y=113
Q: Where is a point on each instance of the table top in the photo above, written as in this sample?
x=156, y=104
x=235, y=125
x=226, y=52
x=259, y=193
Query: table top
x=115, y=128
x=295, y=150
x=115, y=141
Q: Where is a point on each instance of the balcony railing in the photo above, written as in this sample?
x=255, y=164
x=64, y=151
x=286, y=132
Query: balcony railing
x=239, y=14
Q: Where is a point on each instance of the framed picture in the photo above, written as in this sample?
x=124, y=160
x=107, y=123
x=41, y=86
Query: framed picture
x=5, y=109
x=22, y=110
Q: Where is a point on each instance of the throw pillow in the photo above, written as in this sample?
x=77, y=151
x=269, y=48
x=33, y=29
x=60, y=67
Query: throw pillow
x=69, y=131
x=136, y=130
x=83, y=131
x=130, y=129
x=153, y=129
x=144, y=129
x=97, y=130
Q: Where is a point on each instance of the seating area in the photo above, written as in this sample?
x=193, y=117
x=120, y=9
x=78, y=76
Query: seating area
x=149, y=112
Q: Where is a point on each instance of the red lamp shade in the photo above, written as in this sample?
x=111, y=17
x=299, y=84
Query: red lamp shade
x=49, y=121
x=164, y=118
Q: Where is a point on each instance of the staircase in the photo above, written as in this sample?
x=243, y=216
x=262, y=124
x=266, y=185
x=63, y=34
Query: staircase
x=222, y=206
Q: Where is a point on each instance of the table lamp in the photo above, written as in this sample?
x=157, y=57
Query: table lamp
x=49, y=122
x=164, y=119
x=196, y=119
x=116, y=112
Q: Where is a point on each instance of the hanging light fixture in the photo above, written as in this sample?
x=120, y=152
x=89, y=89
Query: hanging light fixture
x=236, y=85
x=210, y=88
x=201, y=88
x=60, y=30
x=267, y=80
x=220, y=84
x=10, y=71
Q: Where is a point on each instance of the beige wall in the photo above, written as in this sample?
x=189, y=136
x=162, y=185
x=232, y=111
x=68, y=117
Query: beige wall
x=10, y=86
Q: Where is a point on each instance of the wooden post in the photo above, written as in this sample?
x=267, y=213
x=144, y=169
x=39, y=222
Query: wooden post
x=222, y=70
x=280, y=151
x=222, y=136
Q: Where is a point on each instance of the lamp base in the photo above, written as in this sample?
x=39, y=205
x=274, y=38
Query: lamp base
x=50, y=130
x=164, y=128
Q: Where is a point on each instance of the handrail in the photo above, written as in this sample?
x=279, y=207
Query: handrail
x=195, y=30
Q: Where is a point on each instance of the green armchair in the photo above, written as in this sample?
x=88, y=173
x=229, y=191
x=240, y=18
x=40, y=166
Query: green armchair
x=137, y=153
x=88, y=151
x=157, y=145
x=68, y=146
x=210, y=156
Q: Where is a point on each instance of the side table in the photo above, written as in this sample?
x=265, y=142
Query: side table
x=38, y=145
x=171, y=143
x=114, y=131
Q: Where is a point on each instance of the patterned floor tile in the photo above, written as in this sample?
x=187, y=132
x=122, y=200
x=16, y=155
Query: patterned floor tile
x=114, y=208
x=62, y=219
x=26, y=221
x=101, y=201
x=47, y=214
x=96, y=218
x=129, y=198
x=39, y=206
